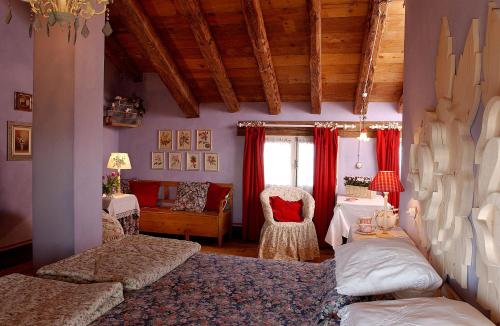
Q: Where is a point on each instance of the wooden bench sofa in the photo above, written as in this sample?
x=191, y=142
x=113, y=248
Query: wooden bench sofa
x=164, y=220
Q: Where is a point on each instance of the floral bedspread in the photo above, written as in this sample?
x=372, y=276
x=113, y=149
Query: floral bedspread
x=26, y=300
x=211, y=289
x=135, y=261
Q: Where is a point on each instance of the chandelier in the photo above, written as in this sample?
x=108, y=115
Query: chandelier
x=66, y=13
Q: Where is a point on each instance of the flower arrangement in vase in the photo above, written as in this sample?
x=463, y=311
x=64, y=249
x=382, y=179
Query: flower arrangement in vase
x=110, y=183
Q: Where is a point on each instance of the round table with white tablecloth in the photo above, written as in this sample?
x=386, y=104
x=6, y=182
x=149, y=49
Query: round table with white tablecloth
x=347, y=212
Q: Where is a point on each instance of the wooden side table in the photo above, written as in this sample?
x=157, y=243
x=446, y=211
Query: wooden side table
x=395, y=232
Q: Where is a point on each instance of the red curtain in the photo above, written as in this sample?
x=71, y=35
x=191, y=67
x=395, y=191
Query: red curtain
x=325, y=179
x=253, y=182
x=388, y=156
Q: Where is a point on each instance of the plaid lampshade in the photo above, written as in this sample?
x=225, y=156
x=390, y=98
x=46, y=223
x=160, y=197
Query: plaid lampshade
x=386, y=181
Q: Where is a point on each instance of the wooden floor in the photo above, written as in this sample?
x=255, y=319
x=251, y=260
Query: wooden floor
x=234, y=247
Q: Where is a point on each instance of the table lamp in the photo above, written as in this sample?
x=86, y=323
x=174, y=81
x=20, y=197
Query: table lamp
x=386, y=182
x=119, y=161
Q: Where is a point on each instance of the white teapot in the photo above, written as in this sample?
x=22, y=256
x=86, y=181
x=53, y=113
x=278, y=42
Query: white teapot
x=386, y=220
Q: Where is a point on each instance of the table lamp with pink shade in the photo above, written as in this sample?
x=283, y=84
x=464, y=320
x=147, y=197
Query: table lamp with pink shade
x=119, y=161
x=386, y=182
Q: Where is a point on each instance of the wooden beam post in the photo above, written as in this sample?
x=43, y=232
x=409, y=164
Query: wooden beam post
x=140, y=25
x=193, y=12
x=120, y=59
x=374, y=31
x=401, y=104
x=257, y=33
x=315, y=55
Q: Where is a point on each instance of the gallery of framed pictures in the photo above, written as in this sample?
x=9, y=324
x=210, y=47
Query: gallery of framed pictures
x=19, y=141
x=184, y=142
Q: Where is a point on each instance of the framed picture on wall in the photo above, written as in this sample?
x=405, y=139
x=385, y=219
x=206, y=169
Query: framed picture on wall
x=19, y=141
x=193, y=161
x=157, y=160
x=174, y=161
x=203, y=139
x=165, y=140
x=23, y=102
x=184, y=140
x=211, y=162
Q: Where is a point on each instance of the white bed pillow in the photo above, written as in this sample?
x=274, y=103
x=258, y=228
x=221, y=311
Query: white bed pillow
x=381, y=266
x=415, y=312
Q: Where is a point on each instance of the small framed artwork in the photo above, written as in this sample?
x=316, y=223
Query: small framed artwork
x=174, y=161
x=165, y=140
x=23, y=102
x=19, y=141
x=203, y=139
x=211, y=162
x=184, y=140
x=193, y=161
x=157, y=160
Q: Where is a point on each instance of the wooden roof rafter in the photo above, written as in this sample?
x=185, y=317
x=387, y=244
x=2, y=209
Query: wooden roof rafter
x=208, y=48
x=262, y=52
x=140, y=25
x=315, y=55
x=121, y=60
x=371, y=46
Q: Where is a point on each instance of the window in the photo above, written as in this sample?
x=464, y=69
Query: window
x=289, y=161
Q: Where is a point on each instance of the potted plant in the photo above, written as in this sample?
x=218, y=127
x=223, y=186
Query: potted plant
x=110, y=184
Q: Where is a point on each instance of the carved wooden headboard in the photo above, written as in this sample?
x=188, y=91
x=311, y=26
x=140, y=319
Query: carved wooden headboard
x=442, y=162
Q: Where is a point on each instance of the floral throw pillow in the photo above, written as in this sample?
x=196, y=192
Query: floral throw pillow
x=191, y=196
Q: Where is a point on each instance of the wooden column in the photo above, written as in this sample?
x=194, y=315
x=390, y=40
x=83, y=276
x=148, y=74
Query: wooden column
x=374, y=31
x=192, y=10
x=257, y=33
x=315, y=55
x=119, y=57
x=140, y=25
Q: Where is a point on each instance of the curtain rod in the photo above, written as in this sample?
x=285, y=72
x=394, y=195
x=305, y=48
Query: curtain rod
x=325, y=124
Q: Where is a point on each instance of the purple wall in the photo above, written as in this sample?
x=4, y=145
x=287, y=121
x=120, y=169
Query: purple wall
x=163, y=113
x=16, y=65
x=421, y=39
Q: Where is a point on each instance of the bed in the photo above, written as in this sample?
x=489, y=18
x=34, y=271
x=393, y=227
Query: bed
x=213, y=289
x=26, y=300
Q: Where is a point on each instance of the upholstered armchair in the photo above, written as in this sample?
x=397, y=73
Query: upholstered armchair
x=288, y=240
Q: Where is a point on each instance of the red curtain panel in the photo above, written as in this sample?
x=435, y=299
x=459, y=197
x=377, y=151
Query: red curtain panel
x=388, y=156
x=325, y=179
x=253, y=182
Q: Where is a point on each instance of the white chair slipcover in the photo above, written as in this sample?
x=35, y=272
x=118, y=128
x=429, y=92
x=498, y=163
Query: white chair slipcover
x=288, y=240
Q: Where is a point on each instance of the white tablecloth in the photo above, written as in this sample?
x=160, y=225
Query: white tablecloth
x=121, y=205
x=347, y=213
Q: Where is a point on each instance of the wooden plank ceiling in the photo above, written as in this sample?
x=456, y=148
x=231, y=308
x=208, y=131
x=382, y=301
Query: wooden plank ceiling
x=343, y=27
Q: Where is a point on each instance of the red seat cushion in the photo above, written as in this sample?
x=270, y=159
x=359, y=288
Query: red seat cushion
x=286, y=211
x=215, y=194
x=146, y=192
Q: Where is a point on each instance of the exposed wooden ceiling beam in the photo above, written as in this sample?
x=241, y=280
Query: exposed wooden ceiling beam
x=401, y=104
x=315, y=55
x=140, y=25
x=192, y=10
x=374, y=31
x=121, y=60
x=257, y=33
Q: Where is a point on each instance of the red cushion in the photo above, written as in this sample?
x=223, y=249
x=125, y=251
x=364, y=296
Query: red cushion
x=146, y=192
x=286, y=211
x=215, y=194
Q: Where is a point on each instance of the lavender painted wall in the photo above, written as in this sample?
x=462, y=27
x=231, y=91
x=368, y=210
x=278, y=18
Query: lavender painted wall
x=422, y=33
x=163, y=113
x=115, y=84
x=16, y=65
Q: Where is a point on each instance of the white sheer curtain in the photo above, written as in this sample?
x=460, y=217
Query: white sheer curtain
x=305, y=163
x=289, y=161
x=279, y=161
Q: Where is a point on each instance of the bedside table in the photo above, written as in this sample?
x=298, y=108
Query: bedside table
x=395, y=232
